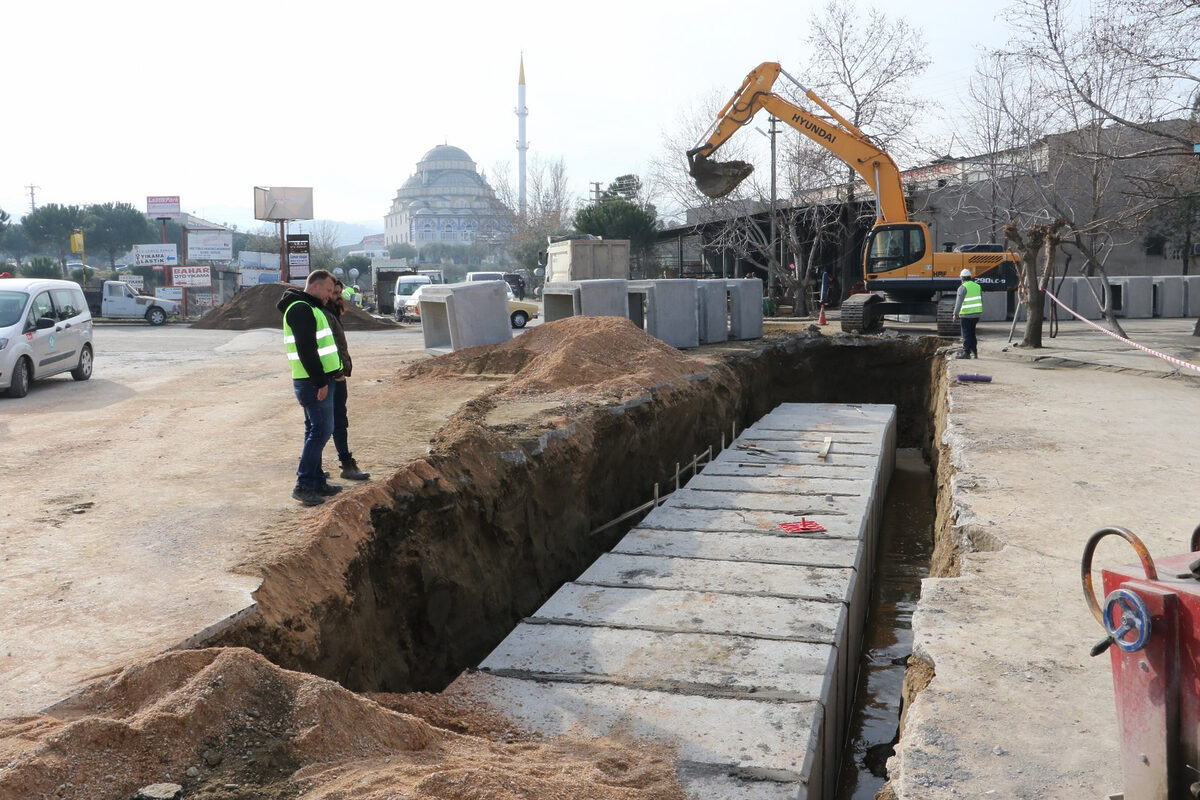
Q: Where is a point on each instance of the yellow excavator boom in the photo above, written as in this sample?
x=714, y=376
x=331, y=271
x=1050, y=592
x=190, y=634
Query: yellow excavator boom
x=834, y=133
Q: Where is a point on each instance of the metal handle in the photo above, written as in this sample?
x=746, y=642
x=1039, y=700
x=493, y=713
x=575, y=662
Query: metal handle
x=1089, y=550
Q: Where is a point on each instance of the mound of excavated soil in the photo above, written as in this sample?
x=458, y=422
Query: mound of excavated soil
x=599, y=354
x=226, y=723
x=254, y=307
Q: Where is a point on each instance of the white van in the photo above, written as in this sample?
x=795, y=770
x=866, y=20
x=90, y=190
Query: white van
x=45, y=329
x=406, y=285
x=484, y=276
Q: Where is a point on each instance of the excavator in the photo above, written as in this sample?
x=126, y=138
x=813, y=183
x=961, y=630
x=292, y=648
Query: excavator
x=901, y=271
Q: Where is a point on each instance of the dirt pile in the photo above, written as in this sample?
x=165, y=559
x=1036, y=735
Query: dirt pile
x=226, y=723
x=602, y=355
x=254, y=307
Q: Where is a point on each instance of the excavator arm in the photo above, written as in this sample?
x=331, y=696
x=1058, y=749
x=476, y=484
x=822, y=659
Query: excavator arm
x=836, y=134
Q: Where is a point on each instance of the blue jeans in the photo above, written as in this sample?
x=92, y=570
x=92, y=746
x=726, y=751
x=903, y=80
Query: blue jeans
x=318, y=426
x=340, y=420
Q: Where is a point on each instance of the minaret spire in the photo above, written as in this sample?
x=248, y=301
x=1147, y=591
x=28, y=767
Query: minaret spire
x=522, y=145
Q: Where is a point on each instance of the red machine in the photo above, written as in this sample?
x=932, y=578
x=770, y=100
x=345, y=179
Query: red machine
x=1151, y=613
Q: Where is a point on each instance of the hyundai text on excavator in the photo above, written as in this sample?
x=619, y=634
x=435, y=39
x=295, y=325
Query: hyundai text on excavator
x=902, y=273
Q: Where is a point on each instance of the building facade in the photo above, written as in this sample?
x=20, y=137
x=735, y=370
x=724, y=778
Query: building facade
x=446, y=201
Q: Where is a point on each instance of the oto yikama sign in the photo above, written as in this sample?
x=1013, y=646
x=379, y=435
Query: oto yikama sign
x=297, y=253
x=190, y=276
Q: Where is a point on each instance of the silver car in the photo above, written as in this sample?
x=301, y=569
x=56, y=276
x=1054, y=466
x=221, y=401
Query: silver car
x=45, y=329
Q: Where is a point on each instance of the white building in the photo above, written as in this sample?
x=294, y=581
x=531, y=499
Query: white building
x=446, y=201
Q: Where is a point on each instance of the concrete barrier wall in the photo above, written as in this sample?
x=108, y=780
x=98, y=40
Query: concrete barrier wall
x=672, y=315
x=559, y=301
x=711, y=302
x=745, y=308
x=1170, y=296
x=458, y=315
x=1192, y=295
x=1136, y=296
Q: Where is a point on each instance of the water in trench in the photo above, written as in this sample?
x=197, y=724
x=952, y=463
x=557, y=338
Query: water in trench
x=905, y=547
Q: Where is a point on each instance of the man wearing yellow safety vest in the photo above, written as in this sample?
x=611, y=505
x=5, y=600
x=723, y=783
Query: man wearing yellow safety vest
x=313, y=355
x=968, y=307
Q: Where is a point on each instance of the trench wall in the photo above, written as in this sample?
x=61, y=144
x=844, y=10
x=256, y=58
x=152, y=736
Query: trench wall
x=407, y=582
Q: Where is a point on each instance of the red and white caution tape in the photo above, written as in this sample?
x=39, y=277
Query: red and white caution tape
x=1176, y=361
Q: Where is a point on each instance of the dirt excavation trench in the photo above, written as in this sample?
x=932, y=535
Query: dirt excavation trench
x=398, y=586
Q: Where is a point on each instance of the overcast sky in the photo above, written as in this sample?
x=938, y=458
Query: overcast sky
x=118, y=100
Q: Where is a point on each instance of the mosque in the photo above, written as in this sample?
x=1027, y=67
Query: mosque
x=446, y=201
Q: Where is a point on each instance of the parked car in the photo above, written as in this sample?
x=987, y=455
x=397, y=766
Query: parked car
x=407, y=286
x=408, y=307
x=118, y=300
x=45, y=329
x=520, y=311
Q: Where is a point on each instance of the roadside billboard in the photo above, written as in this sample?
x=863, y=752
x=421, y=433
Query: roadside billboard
x=169, y=293
x=162, y=206
x=148, y=255
x=136, y=281
x=253, y=276
x=191, y=276
x=210, y=246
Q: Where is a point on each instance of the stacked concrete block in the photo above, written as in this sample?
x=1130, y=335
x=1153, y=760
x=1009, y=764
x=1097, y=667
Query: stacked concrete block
x=711, y=302
x=713, y=629
x=559, y=301
x=1191, y=285
x=458, y=315
x=745, y=308
x=1137, y=297
x=995, y=307
x=666, y=309
x=1085, y=304
x=1170, y=296
x=590, y=298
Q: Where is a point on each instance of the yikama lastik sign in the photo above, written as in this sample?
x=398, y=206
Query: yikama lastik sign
x=148, y=255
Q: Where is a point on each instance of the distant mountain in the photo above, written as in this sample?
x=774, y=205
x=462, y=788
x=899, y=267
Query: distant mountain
x=353, y=232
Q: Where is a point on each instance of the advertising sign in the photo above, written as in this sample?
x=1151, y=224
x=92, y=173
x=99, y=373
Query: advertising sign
x=249, y=258
x=253, y=276
x=210, y=246
x=297, y=253
x=136, y=281
x=162, y=206
x=191, y=276
x=169, y=293
x=145, y=255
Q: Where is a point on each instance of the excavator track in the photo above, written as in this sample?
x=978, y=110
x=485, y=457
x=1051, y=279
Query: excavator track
x=946, y=326
x=860, y=313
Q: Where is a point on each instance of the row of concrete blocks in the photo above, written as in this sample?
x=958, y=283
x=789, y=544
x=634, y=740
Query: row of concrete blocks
x=712, y=630
x=1133, y=297
x=683, y=312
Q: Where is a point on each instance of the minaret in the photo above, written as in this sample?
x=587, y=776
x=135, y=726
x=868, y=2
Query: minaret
x=522, y=145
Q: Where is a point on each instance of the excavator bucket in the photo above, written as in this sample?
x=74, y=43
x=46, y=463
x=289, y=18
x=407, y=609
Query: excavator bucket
x=717, y=178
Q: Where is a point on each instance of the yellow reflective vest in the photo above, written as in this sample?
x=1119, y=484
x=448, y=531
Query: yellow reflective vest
x=326, y=346
x=972, y=299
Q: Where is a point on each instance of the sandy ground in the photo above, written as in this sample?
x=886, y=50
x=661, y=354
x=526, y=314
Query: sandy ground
x=186, y=435
x=181, y=436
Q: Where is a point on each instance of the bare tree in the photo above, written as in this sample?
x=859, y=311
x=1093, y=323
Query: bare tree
x=862, y=65
x=1116, y=74
x=549, y=208
x=322, y=243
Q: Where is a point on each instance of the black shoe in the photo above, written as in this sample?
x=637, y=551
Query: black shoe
x=351, y=472
x=328, y=490
x=962, y=354
x=309, y=497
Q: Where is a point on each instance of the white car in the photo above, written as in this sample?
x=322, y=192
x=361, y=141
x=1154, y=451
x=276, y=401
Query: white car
x=45, y=329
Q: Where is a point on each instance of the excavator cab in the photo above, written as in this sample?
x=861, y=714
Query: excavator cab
x=892, y=247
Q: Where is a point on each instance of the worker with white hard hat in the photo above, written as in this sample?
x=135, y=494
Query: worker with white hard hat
x=968, y=308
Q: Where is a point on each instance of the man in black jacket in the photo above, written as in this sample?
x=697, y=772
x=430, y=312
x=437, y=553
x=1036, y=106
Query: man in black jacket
x=334, y=310
x=313, y=355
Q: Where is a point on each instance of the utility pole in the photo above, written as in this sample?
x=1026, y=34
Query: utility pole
x=774, y=252
x=595, y=191
x=32, y=197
